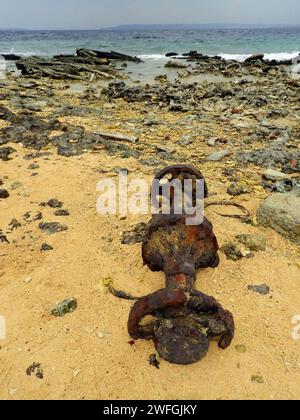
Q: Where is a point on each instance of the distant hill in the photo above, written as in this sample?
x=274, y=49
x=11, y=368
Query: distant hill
x=138, y=27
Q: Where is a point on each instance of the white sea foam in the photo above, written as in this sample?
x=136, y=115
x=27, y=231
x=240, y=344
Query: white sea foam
x=268, y=56
x=152, y=57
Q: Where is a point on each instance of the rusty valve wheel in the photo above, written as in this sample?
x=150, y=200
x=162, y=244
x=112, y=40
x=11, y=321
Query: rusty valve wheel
x=180, y=172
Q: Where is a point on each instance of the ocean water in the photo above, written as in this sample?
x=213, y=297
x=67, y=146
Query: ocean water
x=153, y=44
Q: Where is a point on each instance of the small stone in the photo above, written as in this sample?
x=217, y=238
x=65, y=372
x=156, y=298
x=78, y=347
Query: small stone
x=237, y=188
x=262, y=289
x=253, y=242
x=51, y=228
x=33, y=166
x=241, y=348
x=61, y=213
x=102, y=335
x=35, y=369
x=4, y=194
x=154, y=362
x=232, y=252
x=5, y=153
x=257, y=379
x=274, y=175
x=65, y=307
x=46, y=247
x=217, y=156
x=55, y=204
x=28, y=280
x=212, y=141
x=14, y=224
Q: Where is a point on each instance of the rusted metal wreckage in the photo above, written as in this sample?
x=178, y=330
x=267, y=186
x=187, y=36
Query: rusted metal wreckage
x=183, y=319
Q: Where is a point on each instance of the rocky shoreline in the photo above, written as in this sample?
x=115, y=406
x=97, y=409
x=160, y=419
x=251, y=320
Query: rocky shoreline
x=260, y=118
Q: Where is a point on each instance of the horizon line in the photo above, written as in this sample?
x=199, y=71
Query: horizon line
x=153, y=25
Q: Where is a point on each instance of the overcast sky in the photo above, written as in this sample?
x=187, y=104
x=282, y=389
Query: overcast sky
x=91, y=14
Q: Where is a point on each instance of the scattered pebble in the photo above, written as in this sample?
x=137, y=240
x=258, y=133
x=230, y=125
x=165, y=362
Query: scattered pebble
x=253, y=242
x=154, y=362
x=262, y=289
x=65, y=307
x=45, y=247
x=55, y=204
x=232, y=252
x=4, y=193
x=61, y=213
x=274, y=175
x=51, y=228
x=35, y=369
x=237, y=189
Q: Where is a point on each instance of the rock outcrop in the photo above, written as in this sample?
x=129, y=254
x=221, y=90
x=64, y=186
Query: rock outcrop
x=282, y=213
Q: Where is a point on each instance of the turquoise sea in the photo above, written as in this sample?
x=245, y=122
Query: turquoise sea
x=152, y=44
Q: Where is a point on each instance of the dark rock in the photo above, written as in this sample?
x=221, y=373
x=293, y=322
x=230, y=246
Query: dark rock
x=55, y=204
x=171, y=54
x=65, y=307
x=135, y=236
x=154, y=362
x=6, y=114
x=289, y=160
x=60, y=213
x=3, y=238
x=14, y=224
x=261, y=289
x=284, y=186
x=11, y=57
x=254, y=58
x=45, y=247
x=112, y=55
x=36, y=370
x=5, y=153
x=53, y=227
x=232, y=252
x=4, y=193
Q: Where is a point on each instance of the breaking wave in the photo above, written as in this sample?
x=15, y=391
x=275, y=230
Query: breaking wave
x=268, y=56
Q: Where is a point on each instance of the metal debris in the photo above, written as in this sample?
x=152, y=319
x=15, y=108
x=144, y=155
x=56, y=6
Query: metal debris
x=185, y=319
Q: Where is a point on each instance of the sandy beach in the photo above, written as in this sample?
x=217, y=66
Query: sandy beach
x=87, y=354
